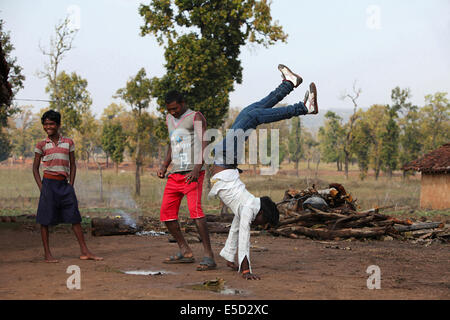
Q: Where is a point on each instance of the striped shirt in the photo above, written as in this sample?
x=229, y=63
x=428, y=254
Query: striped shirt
x=55, y=158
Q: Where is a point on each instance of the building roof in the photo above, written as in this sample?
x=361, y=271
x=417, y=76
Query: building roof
x=435, y=161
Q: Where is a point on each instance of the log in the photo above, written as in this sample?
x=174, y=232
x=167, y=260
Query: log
x=327, y=215
x=217, y=227
x=417, y=226
x=288, y=212
x=296, y=219
x=287, y=235
x=327, y=234
x=383, y=223
x=346, y=219
x=375, y=210
x=111, y=227
x=361, y=222
x=225, y=217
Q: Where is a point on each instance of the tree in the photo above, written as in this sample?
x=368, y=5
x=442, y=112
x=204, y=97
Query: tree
x=60, y=44
x=295, y=146
x=435, y=124
x=113, y=142
x=203, y=62
x=361, y=144
x=389, y=148
x=350, y=126
x=331, y=139
x=114, y=113
x=86, y=137
x=20, y=126
x=410, y=136
x=375, y=120
x=309, y=147
x=72, y=99
x=137, y=94
x=5, y=145
x=15, y=78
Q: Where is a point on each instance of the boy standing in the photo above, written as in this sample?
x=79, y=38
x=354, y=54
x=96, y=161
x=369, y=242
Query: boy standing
x=57, y=202
x=185, y=152
x=248, y=209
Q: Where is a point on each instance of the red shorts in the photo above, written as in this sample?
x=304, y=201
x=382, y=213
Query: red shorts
x=175, y=190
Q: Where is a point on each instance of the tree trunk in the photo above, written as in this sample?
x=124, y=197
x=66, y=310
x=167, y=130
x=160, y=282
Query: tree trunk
x=317, y=168
x=418, y=226
x=377, y=173
x=138, y=178
x=101, y=182
x=326, y=234
x=346, y=161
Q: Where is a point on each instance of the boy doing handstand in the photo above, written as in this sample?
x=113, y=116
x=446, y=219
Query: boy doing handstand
x=248, y=209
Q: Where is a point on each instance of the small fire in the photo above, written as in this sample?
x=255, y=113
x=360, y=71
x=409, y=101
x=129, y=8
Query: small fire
x=128, y=220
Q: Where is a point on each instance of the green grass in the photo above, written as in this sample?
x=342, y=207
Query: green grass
x=20, y=195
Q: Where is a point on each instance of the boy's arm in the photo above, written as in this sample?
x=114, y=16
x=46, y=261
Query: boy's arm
x=36, y=164
x=163, y=168
x=73, y=167
x=198, y=136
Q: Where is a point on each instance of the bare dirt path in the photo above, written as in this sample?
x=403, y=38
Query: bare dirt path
x=290, y=269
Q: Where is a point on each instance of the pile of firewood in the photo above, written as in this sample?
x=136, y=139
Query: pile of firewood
x=339, y=218
x=336, y=217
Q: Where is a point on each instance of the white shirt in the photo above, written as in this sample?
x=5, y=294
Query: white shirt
x=245, y=206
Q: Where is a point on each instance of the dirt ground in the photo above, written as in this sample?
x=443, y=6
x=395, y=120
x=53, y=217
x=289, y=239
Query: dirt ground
x=290, y=269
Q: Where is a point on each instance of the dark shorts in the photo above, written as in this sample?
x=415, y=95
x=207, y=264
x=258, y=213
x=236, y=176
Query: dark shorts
x=57, y=203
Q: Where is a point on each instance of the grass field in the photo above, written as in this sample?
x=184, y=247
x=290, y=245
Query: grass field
x=19, y=193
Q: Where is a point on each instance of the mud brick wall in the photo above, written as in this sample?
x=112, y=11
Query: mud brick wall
x=435, y=191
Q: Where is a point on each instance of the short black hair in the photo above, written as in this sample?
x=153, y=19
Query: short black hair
x=51, y=115
x=270, y=211
x=174, y=95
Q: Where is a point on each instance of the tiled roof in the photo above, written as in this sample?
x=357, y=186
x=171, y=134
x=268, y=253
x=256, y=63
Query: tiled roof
x=435, y=161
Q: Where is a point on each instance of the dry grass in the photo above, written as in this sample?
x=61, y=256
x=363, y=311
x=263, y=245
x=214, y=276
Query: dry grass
x=19, y=193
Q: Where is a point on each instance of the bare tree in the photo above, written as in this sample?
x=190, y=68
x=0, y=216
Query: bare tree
x=60, y=44
x=350, y=125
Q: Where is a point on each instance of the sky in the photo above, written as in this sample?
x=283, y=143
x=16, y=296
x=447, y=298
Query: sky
x=377, y=44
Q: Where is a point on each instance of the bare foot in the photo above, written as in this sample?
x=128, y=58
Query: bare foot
x=233, y=266
x=50, y=259
x=90, y=256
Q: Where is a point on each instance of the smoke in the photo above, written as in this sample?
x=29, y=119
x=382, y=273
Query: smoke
x=120, y=201
x=128, y=220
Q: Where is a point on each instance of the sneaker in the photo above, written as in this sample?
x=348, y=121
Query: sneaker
x=311, y=103
x=305, y=99
x=288, y=75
